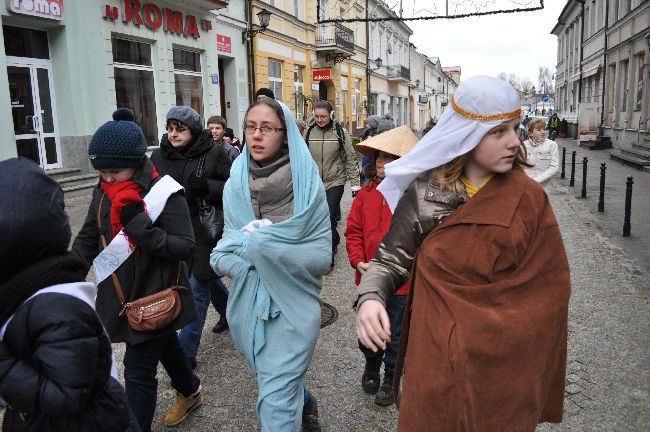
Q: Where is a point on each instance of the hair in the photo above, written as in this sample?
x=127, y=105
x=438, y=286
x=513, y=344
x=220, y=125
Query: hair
x=535, y=123
x=179, y=123
x=217, y=120
x=325, y=105
x=266, y=92
x=448, y=175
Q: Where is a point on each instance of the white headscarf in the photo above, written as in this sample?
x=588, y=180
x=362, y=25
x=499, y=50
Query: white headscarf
x=479, y=104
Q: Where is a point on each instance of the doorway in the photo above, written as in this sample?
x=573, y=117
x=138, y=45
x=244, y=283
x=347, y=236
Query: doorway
x=32, y=102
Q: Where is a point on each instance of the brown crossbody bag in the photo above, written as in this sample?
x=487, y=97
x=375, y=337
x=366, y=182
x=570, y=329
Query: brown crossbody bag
x=154, y=311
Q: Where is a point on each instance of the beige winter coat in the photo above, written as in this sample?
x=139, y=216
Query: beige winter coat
x=334, y=166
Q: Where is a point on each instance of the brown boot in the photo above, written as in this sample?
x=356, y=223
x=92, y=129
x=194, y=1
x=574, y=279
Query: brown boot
x=182, y=408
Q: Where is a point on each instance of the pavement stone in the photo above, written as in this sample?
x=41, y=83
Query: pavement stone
x=608, y=379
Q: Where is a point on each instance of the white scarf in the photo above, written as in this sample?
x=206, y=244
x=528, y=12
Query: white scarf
x=479, y=104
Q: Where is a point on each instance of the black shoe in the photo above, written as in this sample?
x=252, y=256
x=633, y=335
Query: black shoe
x=370, y=379
x=385, y=395
x=310, y=415
x=220, y=326
x=192, y=361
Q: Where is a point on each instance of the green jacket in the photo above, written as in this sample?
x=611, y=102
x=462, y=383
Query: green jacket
x=336, y=163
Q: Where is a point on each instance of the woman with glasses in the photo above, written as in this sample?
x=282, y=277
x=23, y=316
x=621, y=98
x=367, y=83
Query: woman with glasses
x=275, y=248
x=187, y=153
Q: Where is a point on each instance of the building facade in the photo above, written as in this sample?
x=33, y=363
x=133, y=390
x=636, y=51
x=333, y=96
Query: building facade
x=304, y=62
x=602, y=84
x=391, y=86
x=69, y=66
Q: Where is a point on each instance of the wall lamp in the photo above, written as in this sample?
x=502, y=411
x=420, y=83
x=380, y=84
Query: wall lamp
x=264, y=17
x=378, y=61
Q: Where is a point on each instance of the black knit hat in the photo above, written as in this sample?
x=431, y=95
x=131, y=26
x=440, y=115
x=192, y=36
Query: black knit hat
x=119, y=143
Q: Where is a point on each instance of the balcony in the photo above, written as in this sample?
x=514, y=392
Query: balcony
x=335, y=39
x=399, y=73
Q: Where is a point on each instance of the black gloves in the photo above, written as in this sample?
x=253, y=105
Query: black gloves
x=198, y=185
x=130, y=211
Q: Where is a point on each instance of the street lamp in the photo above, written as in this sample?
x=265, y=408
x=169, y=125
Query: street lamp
x=417, y=83
x=378, y=61
x=264, y=17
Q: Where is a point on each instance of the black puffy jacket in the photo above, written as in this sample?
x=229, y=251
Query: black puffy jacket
x=55, y=365
x=216, y=170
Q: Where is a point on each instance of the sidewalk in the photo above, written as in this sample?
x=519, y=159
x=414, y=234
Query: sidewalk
x=610, y=223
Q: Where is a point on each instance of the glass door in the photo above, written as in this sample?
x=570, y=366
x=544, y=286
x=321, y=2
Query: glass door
x=35, y=127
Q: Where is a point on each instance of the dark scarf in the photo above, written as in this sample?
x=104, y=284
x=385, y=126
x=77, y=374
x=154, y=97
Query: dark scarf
x=53, y=270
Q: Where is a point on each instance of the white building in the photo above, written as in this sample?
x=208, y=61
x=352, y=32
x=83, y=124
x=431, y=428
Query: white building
x=602, y=85
x=389, y=59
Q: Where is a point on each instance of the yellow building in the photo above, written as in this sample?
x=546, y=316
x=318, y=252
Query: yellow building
x=303, y=61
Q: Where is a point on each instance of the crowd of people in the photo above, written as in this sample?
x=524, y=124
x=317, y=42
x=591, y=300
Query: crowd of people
x=472, y=334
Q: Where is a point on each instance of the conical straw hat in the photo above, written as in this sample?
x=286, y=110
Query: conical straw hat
x=398, y=142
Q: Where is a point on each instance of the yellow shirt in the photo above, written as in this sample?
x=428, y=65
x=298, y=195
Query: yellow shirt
x=471, y=188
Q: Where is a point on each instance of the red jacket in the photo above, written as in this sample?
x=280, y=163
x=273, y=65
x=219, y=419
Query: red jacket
x=368, y=222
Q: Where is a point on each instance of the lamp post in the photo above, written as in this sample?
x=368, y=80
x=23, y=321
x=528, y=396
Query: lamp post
x=264, y=17
x=378, y=61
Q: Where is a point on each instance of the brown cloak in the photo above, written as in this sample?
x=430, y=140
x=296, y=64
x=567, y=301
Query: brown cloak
x=487, y=338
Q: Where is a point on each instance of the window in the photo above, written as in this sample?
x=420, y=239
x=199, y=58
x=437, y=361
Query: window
x=383, y=107
x=344, y=100
x=187, y=75
x=299, y=91
x=299, y=9
x=640, y=61
x=275, y=78
x=374, y=109
x=356, y=101
x=134, y=85
x=22, y=42
x=624, y=89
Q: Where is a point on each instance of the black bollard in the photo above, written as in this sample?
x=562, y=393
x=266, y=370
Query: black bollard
x=572, y=182
x=563, y=175
x=601, y=198
x=584, y=177
x=628, y=206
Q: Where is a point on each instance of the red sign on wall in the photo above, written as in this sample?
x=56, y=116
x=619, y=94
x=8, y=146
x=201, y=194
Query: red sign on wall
x=223, y=43
x=45, y=8
x=322, y=75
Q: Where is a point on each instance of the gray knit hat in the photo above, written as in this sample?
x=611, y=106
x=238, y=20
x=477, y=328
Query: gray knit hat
x=385, y=124
x=187, y=116
x=373, y=121
x=119, y=143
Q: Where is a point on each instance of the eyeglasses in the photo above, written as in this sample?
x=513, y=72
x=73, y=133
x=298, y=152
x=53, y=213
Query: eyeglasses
x=179, y=129
x=264, y=130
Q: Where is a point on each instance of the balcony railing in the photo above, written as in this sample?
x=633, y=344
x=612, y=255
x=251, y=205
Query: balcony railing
x=399, y=72
x=335, y=34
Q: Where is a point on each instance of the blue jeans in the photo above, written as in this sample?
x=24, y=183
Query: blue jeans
x=395, y=309
x=334, y=195
x=204, y=292
x=140, y=370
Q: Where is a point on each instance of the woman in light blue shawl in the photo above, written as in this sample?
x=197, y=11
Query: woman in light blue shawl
x=276, y=246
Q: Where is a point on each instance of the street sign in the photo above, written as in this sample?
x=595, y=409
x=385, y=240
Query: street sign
x=224, y=43
x=215, y=78
x=545, y=98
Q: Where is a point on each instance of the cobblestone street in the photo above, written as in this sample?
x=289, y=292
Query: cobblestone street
x=608, y=384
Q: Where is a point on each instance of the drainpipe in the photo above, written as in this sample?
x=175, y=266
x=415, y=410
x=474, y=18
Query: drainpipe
x=367, y=63
x=604, y=83
x=248, y=11
x=582, y=36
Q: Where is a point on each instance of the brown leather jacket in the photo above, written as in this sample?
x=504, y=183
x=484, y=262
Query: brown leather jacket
x=420, y=210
